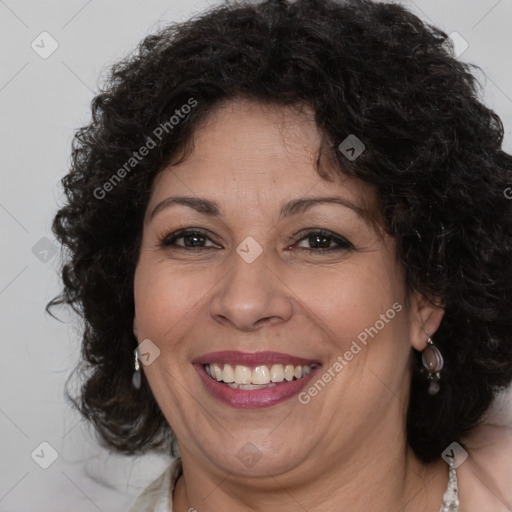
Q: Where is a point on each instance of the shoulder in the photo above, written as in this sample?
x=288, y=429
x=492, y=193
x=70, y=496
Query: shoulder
x=486, y=474
x=157, y=496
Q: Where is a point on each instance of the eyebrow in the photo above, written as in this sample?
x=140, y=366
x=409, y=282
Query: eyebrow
x=293, y=207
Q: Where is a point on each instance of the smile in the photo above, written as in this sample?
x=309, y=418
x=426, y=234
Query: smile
x=254, y=380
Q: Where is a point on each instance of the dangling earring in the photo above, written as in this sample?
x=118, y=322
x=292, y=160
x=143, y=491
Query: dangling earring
x=136, y=378
x=433, y=362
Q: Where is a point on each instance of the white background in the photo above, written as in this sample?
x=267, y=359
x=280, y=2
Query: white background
x=42, y=101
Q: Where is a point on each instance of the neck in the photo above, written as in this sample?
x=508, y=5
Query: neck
x=356, y=485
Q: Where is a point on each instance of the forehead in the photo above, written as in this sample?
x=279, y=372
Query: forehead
x=247, y=152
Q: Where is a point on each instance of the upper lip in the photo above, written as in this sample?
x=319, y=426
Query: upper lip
x=252, y=358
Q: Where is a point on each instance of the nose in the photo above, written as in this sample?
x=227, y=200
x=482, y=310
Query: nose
x=251, y=295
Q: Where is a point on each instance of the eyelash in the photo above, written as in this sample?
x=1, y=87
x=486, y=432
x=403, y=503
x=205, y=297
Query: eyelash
x=343, y=244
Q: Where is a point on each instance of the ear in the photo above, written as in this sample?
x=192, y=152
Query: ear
x=135, y=326
x=426, y=315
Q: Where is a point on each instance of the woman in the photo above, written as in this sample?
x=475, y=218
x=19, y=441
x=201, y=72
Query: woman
x=290, y=242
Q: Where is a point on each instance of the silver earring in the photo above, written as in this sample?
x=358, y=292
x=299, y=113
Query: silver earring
x=136, y=378
x=433, y=362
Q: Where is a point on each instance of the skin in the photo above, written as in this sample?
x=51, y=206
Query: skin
x=347, y=446
x=485, y=476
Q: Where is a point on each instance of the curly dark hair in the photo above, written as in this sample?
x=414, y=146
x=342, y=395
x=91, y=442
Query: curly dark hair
x=433, y=154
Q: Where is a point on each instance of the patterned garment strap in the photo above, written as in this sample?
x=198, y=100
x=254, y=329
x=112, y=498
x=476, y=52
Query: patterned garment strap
x=451, y=495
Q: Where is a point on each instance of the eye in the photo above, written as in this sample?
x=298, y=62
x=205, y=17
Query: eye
x=193, y=240
x=323, y=239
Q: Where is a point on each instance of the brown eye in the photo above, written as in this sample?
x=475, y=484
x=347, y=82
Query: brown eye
x=192, y=239
x=321, y=241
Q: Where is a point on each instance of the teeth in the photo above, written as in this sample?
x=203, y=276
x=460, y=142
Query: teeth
x=289, y=372
x=261, y=375
x=217, y=372
x=228, y=374
x=250, y=386
x=242, y=377
x=277, y=373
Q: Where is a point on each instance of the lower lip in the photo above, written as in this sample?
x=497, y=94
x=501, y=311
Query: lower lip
x=254, y=398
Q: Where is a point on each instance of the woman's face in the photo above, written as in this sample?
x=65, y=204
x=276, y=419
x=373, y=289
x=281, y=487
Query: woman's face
x=255, y=284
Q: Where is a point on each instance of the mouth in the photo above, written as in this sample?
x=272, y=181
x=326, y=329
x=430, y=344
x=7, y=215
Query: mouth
x=253, y=380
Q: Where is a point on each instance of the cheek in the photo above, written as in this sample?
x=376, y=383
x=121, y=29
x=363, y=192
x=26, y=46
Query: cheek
x=167, y=301
x=349, y=298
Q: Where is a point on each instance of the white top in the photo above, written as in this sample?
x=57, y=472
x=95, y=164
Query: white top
x=157, y=497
